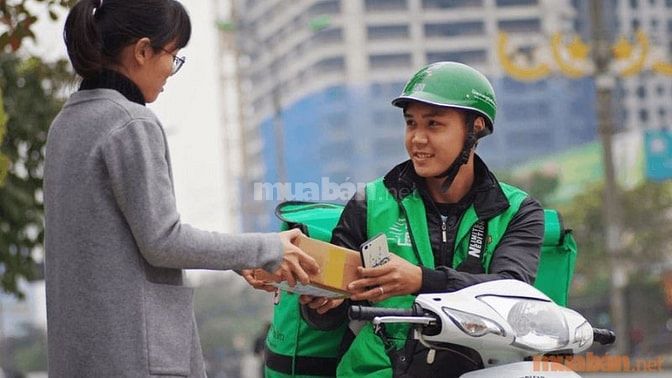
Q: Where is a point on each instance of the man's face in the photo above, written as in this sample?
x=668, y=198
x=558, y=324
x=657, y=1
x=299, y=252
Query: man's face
x=434, y=137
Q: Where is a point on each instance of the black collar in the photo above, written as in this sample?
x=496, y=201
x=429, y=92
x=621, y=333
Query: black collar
x=488, y=197
x=110, y=79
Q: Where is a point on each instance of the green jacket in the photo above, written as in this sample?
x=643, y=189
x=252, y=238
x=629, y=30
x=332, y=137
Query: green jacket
x=294, y=348
x=403, y=217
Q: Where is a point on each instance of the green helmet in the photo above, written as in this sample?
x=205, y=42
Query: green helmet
x=452, y=84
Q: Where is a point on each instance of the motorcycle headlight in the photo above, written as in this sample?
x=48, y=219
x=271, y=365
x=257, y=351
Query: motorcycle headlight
x=473, y=325
x=538, y=325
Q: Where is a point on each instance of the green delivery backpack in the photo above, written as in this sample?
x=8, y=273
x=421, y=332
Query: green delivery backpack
x=294, y=349
x=558, y=255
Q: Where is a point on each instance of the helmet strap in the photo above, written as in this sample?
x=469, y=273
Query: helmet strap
x=469, y=142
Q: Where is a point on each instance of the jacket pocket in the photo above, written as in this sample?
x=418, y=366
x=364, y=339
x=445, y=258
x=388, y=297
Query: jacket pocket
x=169, y=327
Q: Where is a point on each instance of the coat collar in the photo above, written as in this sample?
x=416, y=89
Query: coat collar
x=488, y=198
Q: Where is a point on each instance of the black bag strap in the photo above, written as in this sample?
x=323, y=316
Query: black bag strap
x=300, y=365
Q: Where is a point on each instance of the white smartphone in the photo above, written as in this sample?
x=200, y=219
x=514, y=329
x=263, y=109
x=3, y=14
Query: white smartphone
x=374, y=251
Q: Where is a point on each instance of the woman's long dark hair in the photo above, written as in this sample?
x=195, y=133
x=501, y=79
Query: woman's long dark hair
x=97, y=30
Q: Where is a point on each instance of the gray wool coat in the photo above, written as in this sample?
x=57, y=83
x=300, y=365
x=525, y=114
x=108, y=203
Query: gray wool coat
x=115, y=247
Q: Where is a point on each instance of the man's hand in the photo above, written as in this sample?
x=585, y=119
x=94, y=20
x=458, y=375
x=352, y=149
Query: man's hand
x=249, y=276
x=320, y=304
x=296, y=264
x=397, y=277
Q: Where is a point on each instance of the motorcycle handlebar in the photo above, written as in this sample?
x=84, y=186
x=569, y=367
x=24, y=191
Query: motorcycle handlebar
x=358, y=312
x=604, y=336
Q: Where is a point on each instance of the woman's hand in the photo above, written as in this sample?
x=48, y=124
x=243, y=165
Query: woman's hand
x=249, y=276
x=397, y=277
x=320, y=304
x=296, y=264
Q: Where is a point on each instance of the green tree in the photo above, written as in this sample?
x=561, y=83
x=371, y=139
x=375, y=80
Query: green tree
x=646, y=237
x=29, y=99
x=4, y=160
x=230, y=315
x=645, y=240
x=28, y=352
x=538, y=184
x=18, y=19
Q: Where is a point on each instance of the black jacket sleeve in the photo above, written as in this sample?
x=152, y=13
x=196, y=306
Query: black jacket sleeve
x=350, y=232
x=516, y=257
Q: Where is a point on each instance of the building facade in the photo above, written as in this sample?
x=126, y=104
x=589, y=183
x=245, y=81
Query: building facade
x=319, y=77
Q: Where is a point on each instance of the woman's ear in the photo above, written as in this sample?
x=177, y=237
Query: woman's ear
x=142, y=50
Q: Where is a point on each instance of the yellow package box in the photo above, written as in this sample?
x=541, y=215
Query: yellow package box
x=338, y=267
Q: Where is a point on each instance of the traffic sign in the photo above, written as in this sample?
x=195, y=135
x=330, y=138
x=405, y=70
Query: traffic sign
x=658, y=147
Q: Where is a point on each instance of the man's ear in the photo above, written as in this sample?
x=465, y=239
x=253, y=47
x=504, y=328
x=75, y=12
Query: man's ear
x=479, y=125
x=142, y=50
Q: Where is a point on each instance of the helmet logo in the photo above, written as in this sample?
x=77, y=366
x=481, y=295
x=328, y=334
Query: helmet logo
x=483, y=97
x=418, y=87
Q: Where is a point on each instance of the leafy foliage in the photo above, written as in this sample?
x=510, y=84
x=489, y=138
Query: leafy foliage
x=29, y=99
x=4, y=160
x=17, y=20
x=646, y=231
x=28, y=352
x=230, y=315
x=540, y=185
x=646, y=227
x=30, y=90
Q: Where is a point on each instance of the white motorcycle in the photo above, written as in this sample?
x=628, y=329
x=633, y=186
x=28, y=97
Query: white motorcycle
x=509, y=323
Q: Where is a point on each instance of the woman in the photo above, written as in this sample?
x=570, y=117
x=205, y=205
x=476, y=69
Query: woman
x=115, y=246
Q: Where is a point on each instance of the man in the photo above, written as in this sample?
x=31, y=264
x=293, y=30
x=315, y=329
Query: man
x=447, y=219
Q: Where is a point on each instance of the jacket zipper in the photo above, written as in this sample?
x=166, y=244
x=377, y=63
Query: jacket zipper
x=410, y=234
x=444, y=228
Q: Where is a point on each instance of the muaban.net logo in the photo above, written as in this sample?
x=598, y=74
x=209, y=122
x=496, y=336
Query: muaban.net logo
x=594, y=363
x=323, y=191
